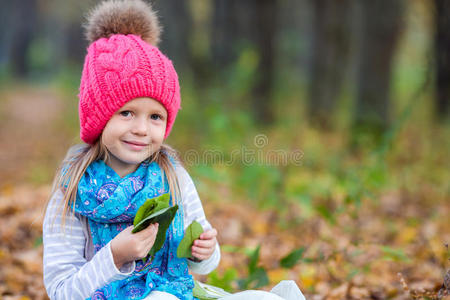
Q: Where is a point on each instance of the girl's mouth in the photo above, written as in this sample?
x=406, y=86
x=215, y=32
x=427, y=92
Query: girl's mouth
x=136, y=145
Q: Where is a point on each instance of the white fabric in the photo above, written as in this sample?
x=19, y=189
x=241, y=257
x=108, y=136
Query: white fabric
x=288, y=289
x=252, y=295
x=157, y=295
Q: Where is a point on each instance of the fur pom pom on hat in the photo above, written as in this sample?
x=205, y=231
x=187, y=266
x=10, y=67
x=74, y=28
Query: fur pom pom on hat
x=122, y=63
x=123, y=17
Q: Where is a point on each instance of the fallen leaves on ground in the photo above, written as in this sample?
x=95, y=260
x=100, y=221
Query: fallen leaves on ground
x=339, y=266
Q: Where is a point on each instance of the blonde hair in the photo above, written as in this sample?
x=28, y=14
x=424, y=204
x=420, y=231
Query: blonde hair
x=79, y=157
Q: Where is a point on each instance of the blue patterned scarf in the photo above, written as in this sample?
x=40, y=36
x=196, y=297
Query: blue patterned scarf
x=110, y=204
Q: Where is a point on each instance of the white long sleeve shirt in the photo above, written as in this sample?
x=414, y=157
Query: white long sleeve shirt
x=70, y=272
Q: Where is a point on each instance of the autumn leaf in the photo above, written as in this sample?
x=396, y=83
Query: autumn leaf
x=155, y=210
x=150, y=206
x=192, y=233
x=164, y=219
x=292, y=258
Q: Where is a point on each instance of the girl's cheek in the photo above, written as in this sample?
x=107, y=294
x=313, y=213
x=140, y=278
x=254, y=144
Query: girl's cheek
x=108, y=145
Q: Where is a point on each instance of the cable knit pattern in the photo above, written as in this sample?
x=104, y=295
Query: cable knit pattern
x=119, y=69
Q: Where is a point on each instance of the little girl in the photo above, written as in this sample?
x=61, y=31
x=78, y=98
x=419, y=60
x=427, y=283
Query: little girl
x=128, y=101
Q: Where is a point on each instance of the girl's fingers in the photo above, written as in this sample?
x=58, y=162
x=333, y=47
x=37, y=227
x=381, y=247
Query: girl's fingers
x=153, y=231
x=200, y=257
x=148, y=232
x=209, y=234
x=204, y=252
x=205, y=243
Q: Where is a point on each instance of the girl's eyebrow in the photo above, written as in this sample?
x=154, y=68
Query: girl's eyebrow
x=136, y=107
x=161, y=112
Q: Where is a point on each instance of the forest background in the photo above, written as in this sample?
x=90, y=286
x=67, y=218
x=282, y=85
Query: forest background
x=316, y=131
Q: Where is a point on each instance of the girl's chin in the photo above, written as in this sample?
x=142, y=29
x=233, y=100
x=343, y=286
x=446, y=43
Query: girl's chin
x=131, y=162
x=125, y=162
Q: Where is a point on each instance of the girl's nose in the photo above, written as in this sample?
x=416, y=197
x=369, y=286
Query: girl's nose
x=140, y=126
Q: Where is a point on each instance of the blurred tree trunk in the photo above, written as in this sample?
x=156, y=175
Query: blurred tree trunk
x=264, y=33
x=23, y=23
x=62, y=30
x=442, y=53
x=76, y=44
x=5, y=35
x=381, y=24
x=238, y=24
x=224, y=33
x=176, y=23
x=330, y=50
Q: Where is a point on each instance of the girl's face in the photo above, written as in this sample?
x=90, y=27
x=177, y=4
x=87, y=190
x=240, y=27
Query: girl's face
x=134, y=133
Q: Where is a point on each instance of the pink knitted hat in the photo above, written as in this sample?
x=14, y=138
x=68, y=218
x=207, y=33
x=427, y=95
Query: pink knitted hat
x=121, y=65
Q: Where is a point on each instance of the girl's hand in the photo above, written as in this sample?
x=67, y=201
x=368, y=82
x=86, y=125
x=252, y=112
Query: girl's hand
x=204, y=247
x=127, y=246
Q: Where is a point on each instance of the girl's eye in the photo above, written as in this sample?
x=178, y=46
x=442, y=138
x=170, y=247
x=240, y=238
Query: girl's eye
x=155, y=117
x=125, y=113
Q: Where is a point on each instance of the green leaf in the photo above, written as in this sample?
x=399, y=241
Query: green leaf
x=309, y=260
x=37, y=242
x=144, y=210
x=150, y=219
x=204, y=291
x=394, y=254
x=292, y=258
x=254, y=257
x=232, y=249
x=150, y=206
x=200, y=293
x=192, y=233
x=325, y=212
x=164, y=221
x=352, y=274
x=258, y=278
x=155, y=210
x=225, y=281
